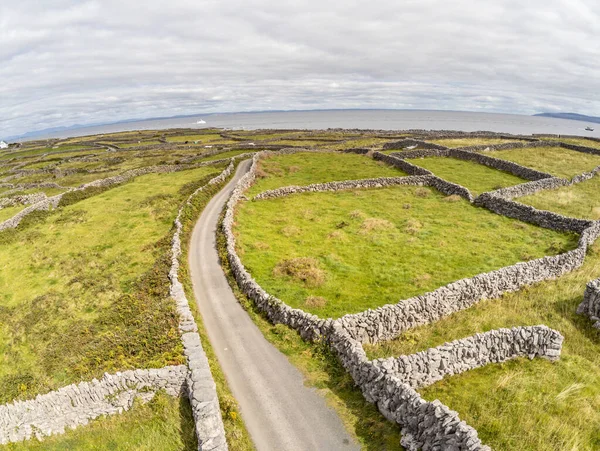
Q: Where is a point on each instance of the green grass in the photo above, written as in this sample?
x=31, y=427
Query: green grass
x=220, y=156
x=533, y=405
x=476, y=177
x=136, y=144
x=581, y=200
x=374, y=247
x=201, y=138
x=323, y=371
x=466, y=142
x=363, y=142
x=577, y=141
x=236, y=434
x=553, y=160
x=9, y=212
x=165, y=424
x=85, y=290
x=305, y=168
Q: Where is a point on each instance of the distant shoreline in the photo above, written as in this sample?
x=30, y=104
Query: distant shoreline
x=364, y=119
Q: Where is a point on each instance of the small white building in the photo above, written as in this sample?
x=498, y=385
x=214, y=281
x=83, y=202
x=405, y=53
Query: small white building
x=3, y=145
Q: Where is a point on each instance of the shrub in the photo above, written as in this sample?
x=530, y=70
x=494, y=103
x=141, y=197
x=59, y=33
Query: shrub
x=305, y=269
x=422, y=192
x=375, y=224
x=315, y=302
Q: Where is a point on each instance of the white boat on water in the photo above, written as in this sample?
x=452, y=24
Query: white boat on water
x=201, y=121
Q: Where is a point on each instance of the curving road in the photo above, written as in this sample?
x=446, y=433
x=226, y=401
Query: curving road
x=280, y=413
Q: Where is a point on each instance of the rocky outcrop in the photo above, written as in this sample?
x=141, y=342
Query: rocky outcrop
x=77, y=404
x=591, y=302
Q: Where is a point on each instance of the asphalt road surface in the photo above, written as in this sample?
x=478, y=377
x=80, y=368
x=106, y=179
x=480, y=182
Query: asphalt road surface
x=280, y=413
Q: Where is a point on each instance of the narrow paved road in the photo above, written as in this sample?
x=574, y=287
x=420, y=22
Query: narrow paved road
x=280, y=413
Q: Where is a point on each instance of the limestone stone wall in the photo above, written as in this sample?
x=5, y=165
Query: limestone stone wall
x=462, y=154
x=401, y=164
x=77, y=404
x=504, y=146
x=584, y=149
x=528, y=188
x=409, y=142
x=387, y=382
x=527, y=213
x=389, y=321
x=201, y=388
x=379, y=182
x=52, y=202
x=591, y=302
x=424, y=425
x=432, y=365
x=309, y=326
x=497, y=163
x=23, y=199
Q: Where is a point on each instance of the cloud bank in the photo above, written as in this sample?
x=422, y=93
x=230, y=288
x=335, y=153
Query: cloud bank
x=65, y=62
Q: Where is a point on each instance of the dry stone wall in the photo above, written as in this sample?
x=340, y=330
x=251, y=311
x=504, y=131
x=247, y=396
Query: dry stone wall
x=424, y=425
x=389, y=382
x=77, y=404
x=379, y=182
x=52, y=202
x=591, y=302
x=409, y=142
x=496, y=346
x=389, y=321
x=309, y=326
x=201, y=387
x=401, y=164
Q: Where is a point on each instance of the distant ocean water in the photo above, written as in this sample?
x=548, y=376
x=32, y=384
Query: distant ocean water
x=362, y=119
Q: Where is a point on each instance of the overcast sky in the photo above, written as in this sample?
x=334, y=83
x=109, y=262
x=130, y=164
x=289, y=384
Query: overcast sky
x=65, y=62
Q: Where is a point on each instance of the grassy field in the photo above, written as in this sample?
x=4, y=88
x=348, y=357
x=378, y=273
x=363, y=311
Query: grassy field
x=220, y=156
x=9, y=212
x=165, y=424
x=337, y=253
x=466, y=142
x=363, y=142
x=581, y=200
x=304, y=168
x=533, y=405
x=476, y=177
x=323, y=371
x=85, y=290
x=553, y=160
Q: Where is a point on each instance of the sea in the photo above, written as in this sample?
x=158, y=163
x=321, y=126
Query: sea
x=353, y=119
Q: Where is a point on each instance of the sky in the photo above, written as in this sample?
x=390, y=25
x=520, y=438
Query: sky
x=65, y=62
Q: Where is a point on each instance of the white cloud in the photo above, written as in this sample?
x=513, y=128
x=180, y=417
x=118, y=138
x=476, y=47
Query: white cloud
x=67, y=61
